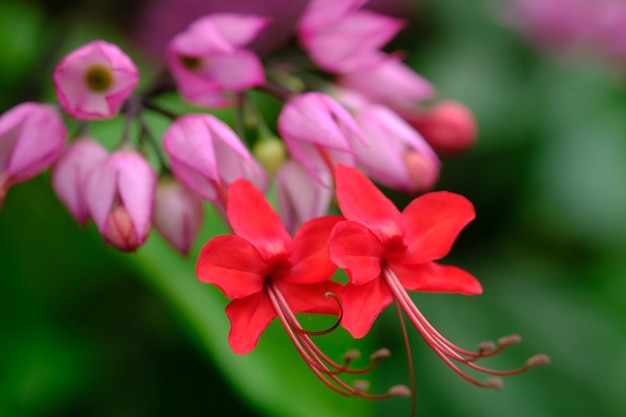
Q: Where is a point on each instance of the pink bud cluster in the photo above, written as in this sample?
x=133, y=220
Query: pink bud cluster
x=371, y=116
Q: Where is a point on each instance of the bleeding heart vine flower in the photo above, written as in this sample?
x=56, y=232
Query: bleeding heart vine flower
x=93, y=81
x=267, y=274
x=386, y=252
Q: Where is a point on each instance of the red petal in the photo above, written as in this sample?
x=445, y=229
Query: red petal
x=309, y=252
x=233, y=265
x=361, y=201
x=362, y=304
x=311, y=298
x=248, y=317
x=432, y=223
x=434, y=277
x=252, y=218
x=356, y=249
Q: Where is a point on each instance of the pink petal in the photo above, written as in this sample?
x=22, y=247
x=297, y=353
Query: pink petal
x=309, y=252
x=178, y=214
x=300, y=197
x=361, y=201
x=322, y=13
x=434, y=277
x=233, y=265
x=362, y=304
x=235, y=72
x=238, y=29
x=71, y=170
x=356, y=249
x=248, y=317
x=432, y=223
x=32, y=136
x=352, y=43
x=311, y=298
x=100, y=192
x=252, y=218
x=136, y=181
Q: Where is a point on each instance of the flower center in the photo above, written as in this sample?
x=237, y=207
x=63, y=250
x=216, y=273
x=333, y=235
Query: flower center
x=192, y=63
x=99, y=78
x=394, y=247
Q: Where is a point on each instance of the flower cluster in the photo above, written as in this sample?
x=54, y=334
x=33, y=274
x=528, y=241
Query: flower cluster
x=364, y=117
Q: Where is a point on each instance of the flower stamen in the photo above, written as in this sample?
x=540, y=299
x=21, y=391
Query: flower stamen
x=322, y=366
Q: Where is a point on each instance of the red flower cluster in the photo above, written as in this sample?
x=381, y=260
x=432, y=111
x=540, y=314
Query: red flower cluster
x=384, y=252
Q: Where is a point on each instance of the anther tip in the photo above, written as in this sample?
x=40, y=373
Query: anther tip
x=380, y=354
x=486, y=346
x=539, y=359
x=351, y=355
x=512, y=339
x=361, y=385
x=400, y=391
x=495, y=383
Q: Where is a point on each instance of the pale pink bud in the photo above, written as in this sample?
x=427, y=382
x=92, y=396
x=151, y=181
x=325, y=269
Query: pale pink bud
x=393, y=153
x=71, y=170
x=350, y=43
x=300, y=197
x=206, y=156
x=389, y=82
x=93, y=81
x=178, y=214
x=317, y=132
x=449, y=126
x=208, y=60
x=120, y=196
x=31, y=138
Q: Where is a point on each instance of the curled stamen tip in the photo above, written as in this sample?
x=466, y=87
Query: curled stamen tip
x=351, y=355
x=486, y=346
x=400, y=391
x=509, y=340
x=539, y=359
x=495, y=383
x=361, y=385
x=330, y=294
x=381, y=353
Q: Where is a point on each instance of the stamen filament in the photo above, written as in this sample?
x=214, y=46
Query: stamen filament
x=323, y=367
x=447, y=351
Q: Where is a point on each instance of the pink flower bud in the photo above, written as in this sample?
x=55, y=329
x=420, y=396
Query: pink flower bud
x=300, y=197
x=389, y=82
x=340, y=39
x=178, y=214
x=393, y=153
x=120, y=195
x=93, y=81
x=71, y=170
x=449, y=127
x=31, y=138
x=317, y=132
x=206, y=156
x=208, y=60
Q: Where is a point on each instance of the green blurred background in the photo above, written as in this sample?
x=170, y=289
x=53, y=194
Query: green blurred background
x=87, y=331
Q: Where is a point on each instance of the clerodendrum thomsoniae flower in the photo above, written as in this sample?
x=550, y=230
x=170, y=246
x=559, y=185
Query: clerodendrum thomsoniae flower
x=267, y=274
x=386, y=252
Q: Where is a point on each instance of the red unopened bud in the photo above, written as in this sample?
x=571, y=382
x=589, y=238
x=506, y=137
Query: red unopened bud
x=120, y=231
x=449, y=127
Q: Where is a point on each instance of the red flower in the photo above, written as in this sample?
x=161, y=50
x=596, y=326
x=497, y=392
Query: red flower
x=268, y=275
x=386, y=252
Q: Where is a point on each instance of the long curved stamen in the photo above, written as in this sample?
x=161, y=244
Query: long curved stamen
x=325, y=369
x=450, y=353
x=331, y=328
